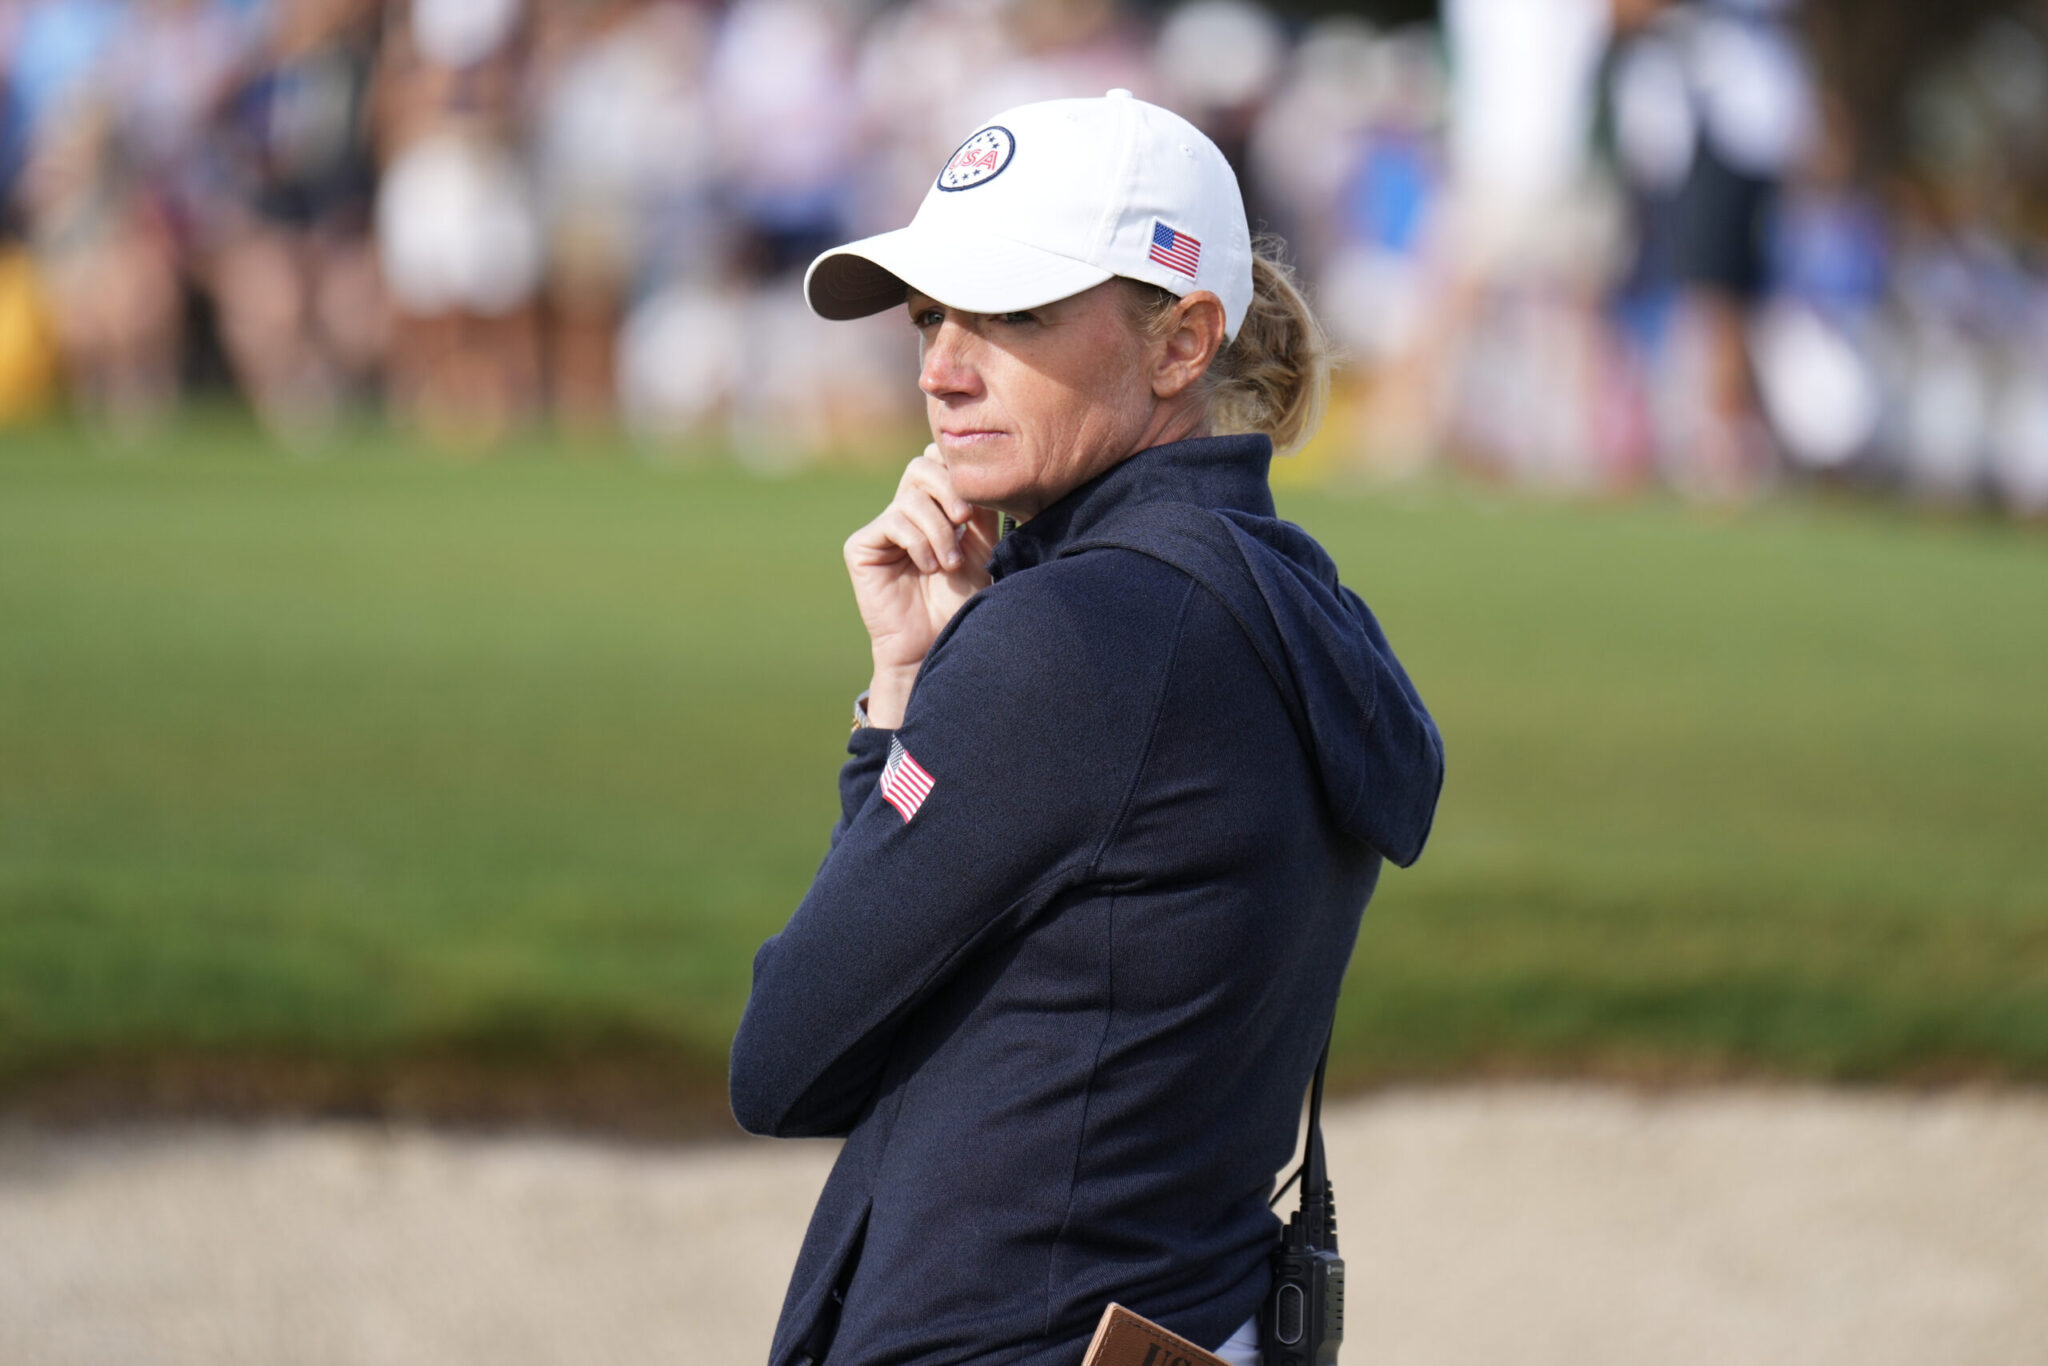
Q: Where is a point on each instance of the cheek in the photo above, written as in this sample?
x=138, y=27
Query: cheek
x=1082, y=398
x=1114, y=399
x=1113, y=376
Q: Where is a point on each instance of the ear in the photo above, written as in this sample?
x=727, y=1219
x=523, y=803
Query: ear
x=1192, y=340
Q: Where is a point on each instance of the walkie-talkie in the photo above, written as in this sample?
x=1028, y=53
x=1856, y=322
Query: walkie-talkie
x=1302, y=1321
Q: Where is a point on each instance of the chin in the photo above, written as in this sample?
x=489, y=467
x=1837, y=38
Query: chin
x=1002, y=499
x=980, y=484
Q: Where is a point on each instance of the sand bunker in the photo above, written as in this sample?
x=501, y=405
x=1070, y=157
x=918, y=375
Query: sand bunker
x=1524, y=1224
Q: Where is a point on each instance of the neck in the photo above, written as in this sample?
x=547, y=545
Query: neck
x=1223, y=472
x=1178, y=419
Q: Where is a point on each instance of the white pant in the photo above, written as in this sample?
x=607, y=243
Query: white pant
x=1243, y=1347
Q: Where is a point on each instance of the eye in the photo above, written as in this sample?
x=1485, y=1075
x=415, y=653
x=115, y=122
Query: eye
x=1017, y=319
x=927, y=317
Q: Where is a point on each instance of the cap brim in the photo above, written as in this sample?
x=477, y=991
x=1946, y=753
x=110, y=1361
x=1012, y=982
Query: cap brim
x=988, y=274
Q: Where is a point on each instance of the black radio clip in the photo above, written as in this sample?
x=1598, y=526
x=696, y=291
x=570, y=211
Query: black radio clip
x=1302, y=1320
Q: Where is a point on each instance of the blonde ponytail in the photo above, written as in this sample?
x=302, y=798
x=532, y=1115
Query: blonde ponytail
x=1274, y=375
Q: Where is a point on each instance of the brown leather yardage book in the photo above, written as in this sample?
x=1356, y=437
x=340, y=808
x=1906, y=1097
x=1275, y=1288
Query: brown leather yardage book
x=1127, y=1339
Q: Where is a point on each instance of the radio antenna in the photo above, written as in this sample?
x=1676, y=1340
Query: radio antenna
x=1318, y=1200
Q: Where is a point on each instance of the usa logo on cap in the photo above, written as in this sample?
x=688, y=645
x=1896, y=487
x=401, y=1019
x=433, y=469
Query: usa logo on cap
x=1174, y=250
x=979, y=160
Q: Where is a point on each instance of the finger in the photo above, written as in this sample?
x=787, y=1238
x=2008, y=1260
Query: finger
x=931, y=477
x=914, y=540
x=924, y=461
x=979, y=537
x=872, y=544
x=917, y=505
x=890, y=540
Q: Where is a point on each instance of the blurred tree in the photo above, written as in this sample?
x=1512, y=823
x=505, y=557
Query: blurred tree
x=1872, y=53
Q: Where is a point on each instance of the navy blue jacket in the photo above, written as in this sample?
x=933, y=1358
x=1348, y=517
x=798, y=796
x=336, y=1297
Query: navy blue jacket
x=1065, y=1013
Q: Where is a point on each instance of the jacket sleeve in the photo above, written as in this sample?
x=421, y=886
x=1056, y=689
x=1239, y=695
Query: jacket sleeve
x=1029, y=718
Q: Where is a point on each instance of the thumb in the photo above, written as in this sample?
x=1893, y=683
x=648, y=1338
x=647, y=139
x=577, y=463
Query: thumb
x=979, y=535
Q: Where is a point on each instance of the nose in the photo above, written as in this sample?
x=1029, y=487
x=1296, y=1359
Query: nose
x=947, y=368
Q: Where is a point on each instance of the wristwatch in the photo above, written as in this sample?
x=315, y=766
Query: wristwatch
x=860, y=711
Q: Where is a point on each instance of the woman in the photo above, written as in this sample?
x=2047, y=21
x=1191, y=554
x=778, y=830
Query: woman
x=1119, y=789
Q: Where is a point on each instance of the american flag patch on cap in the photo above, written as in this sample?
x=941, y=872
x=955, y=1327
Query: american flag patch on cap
x=1174, y=250
x=905, y=784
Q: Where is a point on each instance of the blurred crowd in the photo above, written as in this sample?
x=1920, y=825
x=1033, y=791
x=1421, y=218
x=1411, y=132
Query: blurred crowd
x=1583, y=244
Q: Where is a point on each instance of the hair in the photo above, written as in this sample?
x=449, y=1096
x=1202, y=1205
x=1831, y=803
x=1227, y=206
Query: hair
x=1274, y=375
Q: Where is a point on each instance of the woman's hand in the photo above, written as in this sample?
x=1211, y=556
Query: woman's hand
x=912, y=567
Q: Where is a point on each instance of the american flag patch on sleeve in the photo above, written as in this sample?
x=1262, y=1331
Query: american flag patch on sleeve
x=1174, y=250
x=905, y=784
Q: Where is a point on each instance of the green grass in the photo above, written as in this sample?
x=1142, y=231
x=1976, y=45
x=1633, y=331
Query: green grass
x=1761, y=794
x=372, y=757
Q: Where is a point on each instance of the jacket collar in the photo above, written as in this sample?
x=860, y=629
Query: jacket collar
x=1208, y=471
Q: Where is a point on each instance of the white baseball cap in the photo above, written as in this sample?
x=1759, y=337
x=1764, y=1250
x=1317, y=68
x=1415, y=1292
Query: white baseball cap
x=1046, y=200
